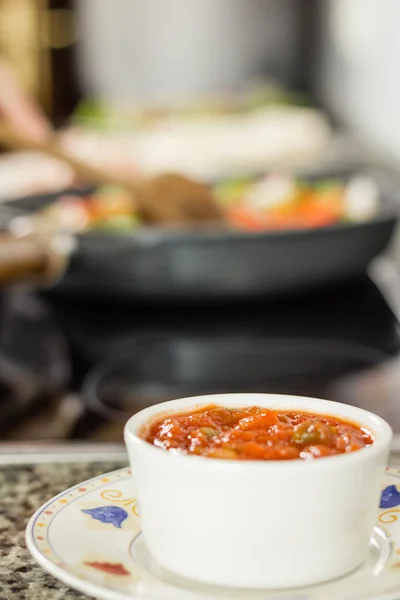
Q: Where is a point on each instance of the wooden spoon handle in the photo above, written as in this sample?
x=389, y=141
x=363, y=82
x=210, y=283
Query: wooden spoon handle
x=22, y=259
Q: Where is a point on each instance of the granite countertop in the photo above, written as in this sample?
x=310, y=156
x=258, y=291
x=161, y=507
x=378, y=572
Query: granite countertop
x=23, y=489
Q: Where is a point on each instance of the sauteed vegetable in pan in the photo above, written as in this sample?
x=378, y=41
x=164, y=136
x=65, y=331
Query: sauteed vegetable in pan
x=274, y=202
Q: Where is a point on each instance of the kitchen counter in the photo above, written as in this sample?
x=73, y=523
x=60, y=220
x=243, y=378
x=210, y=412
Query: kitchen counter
x=23, y=489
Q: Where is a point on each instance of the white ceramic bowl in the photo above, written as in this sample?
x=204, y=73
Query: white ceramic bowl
x=258, y=524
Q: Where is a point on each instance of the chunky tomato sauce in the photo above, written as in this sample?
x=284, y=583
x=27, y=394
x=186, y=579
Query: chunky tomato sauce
x=256, y=433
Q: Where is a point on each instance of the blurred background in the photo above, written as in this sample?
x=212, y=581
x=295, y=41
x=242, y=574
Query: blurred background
x=339, y=52
x=281, y=118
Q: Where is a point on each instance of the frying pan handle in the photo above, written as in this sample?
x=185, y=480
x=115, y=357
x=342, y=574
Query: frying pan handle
x=29, y=258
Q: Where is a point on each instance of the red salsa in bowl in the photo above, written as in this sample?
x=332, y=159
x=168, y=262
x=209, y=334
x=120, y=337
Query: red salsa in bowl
x=256, y=433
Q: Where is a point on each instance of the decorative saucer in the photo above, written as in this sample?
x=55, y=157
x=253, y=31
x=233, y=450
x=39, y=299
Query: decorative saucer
x=89, y=538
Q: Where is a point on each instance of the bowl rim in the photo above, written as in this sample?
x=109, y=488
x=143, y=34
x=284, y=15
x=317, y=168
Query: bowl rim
x=380, y=429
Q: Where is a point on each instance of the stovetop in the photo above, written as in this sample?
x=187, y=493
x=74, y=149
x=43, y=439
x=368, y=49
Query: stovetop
x=76, y=371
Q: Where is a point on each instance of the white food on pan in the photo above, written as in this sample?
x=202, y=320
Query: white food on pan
x=361, y=198
x=227, y=145
x=271, y=191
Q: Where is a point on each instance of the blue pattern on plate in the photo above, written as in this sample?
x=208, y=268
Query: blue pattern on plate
x=390, y=497
x=115, y=515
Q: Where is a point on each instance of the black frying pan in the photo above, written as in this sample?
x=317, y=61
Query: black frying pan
x=160, y=264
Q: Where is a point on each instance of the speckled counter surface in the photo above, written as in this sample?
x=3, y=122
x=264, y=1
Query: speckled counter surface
x=23, y=489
